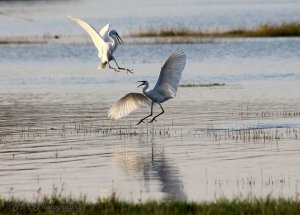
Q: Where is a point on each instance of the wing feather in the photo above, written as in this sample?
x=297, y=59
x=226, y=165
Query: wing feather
x=96, y=38
x=104, y=32
x=127, y=104
x=170, y=74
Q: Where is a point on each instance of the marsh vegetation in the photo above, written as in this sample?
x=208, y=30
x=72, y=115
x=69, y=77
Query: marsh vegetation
x=113, y=205
x=264, y=30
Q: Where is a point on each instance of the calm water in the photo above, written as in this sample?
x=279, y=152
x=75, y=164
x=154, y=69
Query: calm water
x=39, y=18
x=241, y=139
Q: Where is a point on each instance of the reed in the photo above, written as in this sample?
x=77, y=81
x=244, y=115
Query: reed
x=291, y=29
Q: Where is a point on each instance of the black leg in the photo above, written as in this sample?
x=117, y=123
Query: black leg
x=157, y=114
x=120, y=68
x=142, y=120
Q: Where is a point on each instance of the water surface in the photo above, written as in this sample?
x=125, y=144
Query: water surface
x=241, y=139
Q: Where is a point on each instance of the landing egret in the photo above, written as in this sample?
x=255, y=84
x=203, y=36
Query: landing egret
x=165, y=89
x=106, y=41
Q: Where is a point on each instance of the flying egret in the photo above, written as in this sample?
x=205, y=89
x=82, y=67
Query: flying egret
x=106, y=41
x=165, y=89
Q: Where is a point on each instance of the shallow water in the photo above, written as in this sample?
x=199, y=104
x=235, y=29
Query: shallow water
x=37, y=17
x=241, y=139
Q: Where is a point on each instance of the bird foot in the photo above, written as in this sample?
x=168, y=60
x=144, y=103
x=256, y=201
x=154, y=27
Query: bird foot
x=140, y=122
x=119, y=70
x=116, y=70
x=129, y=71
x=152, y=120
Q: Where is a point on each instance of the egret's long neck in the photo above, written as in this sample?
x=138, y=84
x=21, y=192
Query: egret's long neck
x=145, y=88
x=114, y=41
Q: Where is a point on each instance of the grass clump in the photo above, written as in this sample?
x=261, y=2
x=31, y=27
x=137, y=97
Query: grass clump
x=282, y=30
x=167, y=31
x=115, y=206
x=267, y=30
x=291, y=29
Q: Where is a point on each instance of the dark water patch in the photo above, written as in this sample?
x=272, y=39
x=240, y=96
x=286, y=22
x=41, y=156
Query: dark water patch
x=17, y=169
x=203, y=85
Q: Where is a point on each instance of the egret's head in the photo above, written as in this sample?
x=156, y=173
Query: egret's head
x=115, y=33
x=142, y=83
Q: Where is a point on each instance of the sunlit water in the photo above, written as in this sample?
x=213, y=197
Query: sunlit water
x=241, y=139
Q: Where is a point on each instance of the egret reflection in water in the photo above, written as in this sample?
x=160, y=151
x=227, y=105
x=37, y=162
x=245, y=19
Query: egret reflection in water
x=149, y=163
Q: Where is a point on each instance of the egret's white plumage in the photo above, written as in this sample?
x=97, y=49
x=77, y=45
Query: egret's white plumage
x=127, y=104
x=165, y=89
x=106, y=42
x=104, y=32
x=169, y=78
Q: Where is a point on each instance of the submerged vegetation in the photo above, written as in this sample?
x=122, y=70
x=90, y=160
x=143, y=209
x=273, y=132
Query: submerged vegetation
x=115, y=206
x=291, y=29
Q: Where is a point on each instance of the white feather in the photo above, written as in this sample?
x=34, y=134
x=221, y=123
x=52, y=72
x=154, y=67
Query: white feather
x=170, y=75
x=104, y=32
x=127, y=104
x=96, y=38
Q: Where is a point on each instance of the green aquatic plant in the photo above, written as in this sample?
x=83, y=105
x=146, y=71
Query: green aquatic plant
x=114, y=205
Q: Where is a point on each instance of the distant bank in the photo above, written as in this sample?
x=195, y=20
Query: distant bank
x=291, y=29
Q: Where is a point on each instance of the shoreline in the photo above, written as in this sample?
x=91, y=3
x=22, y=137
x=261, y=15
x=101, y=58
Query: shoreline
x=113, y=205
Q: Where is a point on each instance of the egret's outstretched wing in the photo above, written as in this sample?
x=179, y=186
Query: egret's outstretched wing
x=96, y=38
x=127, y=104
x=104, y=32
x=170, y=74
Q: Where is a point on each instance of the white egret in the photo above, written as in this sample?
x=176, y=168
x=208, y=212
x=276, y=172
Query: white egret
x=165, y=89
x=106, y=41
